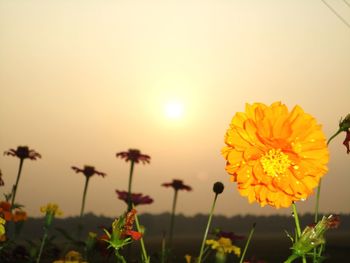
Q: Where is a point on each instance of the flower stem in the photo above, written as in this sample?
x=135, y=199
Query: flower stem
x=291, y=258
x=143, y=248
x=43, y=241
x=172, y=220
x=14, y=188
x=84, y=196
x=319, y=193
x=129, y=185
x=120, y=258
x=207, y=230
x=297, y=226
x=247, y=243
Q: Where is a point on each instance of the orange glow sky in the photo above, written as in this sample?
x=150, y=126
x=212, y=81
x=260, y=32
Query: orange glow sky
x=82, y=80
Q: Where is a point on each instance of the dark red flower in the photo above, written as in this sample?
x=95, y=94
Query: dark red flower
x=178, y=185
x=136, y=199
x=134, y=155
x=229, y=235
x=347, y=141
x=23, y=152
x=88, y=171
x=2, y=183
x=333, y=221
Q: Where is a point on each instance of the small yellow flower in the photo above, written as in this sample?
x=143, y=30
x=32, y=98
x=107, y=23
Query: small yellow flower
x=2, y=226
x=223, y=245
x=72, y=257
x=51, y=208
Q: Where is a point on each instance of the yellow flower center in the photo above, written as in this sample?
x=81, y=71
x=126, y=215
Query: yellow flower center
x=275, y=162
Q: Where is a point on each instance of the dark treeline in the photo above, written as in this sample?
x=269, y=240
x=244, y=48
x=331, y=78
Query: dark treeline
x=156, y=225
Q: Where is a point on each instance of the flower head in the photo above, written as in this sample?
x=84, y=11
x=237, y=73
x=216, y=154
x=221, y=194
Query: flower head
x=136, y=199
x=88, y=171
x=23, y=152
x=223, y=245
x=134, y=155
x=71, y=257
x=10, y=213
x=218, y=188
x=51, y=208
x=219, y=233
x=122, y=232
x=276, y=156
x=178, y=185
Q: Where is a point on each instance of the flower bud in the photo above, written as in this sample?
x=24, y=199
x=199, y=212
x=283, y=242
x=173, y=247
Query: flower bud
x=218, y=188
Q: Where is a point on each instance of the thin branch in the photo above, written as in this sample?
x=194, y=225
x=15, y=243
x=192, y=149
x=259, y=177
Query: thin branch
x=336, y=13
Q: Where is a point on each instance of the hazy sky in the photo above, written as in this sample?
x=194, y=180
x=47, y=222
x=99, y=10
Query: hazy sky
x=82, y=80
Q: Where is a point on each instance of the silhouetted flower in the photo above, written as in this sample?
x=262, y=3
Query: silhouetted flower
x=23, y=152
x=219, y=233
x=218, y=188
x=136, y=199
x=177, y=185
x=134, y=155
x=88, y=171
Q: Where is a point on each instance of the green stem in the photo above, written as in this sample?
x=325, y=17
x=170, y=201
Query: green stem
x=172, y=220
x=333, y=136
x=14, y=188
x=43, y=241
x=297, y=225
x=291, y=258
x=129, y=184
x=143, y=248
x=120, y=258
x=318, y=194
x=207, y=230
x=84, y=196
x=247, y=243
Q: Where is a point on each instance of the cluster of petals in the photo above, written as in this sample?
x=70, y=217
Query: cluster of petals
x=23, y=152
x=88, y=171
x=276, y=156
x=9, y=214
x=51, y=208
x=136, y=198
x=72, y=257
x=177, y=185
x=223, y=245
x=134, y=156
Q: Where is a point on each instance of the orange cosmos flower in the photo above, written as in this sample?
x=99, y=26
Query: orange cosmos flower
x=276, y=156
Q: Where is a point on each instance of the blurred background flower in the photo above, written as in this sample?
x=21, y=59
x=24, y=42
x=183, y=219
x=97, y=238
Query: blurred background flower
x=134, y=156
x=22, y=152
x=136, y=198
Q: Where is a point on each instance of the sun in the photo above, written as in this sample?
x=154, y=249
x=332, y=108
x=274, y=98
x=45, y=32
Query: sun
x=174, y=109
